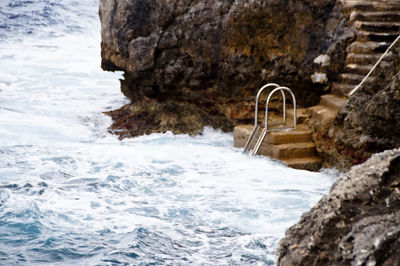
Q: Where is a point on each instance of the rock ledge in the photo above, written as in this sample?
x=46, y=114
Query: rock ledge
x=209, y=58
x=357, y=223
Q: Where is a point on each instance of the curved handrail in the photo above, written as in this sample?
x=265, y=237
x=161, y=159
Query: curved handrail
x=373, y=68
x=266, y=130
x=256, y=126
x=294, y=105
x=257, y=99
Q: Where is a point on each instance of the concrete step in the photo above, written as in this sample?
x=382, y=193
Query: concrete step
x=377, y=26
x=241, y=134
x=380, y=16
x=358, y=69
x=332, y=101
x=294, y=147
x=354, y=79
x=298, y=135
x=362, y=59
x=362, y=5
x=341, y=90
x=322, y=116
x=290, y=150
x=302, y=115
x=368, y=47
x=377, y=36
x=307, y=163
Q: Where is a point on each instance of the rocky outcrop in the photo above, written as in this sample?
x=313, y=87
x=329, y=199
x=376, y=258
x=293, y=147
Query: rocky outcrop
x=369, y=122
x=208, y=58
x=357, y=223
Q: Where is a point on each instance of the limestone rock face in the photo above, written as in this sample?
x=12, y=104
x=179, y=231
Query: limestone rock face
x=370, y=121
x=357, y=223
x=211, y=57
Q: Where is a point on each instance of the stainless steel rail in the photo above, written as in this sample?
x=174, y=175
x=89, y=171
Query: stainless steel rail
x=256, y=125
x=258, y=96
x=265, y=130
x=281, y=89
x=374, y=67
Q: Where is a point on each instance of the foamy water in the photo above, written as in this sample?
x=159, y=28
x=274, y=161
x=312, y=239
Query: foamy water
x=71, y=193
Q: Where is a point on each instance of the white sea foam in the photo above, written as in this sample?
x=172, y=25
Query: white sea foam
x=72, y=193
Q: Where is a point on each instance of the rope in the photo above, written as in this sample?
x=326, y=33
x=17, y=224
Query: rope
x=372, y=69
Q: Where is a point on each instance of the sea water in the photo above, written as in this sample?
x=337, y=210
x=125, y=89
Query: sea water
x=73, y=194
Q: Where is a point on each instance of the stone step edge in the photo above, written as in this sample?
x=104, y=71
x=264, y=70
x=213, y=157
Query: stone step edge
x=356, y=14
x=289, y=150
x=333, y=101
x=307, y=163
x=358, y=69
x=289, y=137
x=349, y=6
x=341, y=90
x=355, y=79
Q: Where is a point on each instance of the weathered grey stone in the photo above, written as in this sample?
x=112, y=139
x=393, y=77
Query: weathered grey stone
x=357, y=223
x=319, y=77
x=141, y=53
x=213, y=56
x=370, y=121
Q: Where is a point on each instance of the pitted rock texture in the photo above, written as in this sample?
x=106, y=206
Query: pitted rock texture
x=370, y=121
x=357, y=223
x=211, y=57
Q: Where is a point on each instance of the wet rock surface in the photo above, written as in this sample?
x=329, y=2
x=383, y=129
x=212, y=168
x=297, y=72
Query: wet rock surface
x=357, y=223
x=211, y=57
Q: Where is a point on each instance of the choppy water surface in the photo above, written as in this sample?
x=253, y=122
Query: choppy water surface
x=70, y=193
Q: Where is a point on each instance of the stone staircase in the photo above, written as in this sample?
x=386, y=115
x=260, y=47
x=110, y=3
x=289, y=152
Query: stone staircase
x=377, y=24
x=293, y=147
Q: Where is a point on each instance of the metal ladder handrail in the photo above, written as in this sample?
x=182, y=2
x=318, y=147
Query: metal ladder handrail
x=257, y=99
x=266, y=130
x=256, y=126
x=374, y=67
x=281, y=89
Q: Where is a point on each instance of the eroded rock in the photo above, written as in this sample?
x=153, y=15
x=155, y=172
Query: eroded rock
x=357, y=223
x=369, y=122
x=211, y=57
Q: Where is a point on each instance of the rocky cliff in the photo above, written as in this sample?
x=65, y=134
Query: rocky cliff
x=357, y=223
x=370, y=121
x=189, y=64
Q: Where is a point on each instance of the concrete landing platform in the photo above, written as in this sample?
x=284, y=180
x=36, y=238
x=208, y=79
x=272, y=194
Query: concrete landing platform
x=293, y=147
